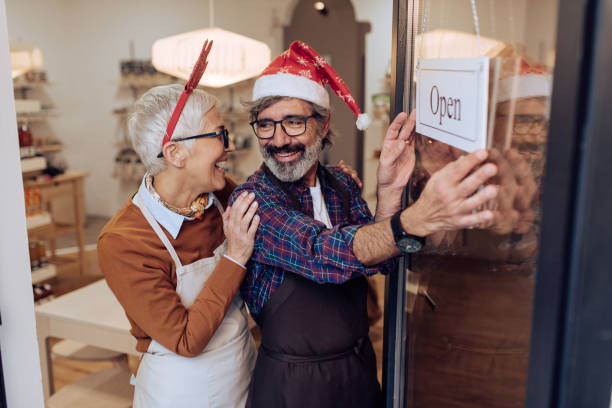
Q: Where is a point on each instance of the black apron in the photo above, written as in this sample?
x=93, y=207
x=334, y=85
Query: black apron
x=315, y=350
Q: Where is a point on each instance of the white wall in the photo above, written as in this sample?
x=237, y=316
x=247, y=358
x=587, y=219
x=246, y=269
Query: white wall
x=20, y=361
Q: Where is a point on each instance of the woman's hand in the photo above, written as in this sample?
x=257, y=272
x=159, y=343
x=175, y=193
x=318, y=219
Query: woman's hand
x=240, y=225
x=351, y=172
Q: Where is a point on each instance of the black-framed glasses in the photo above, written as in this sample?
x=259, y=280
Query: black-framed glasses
x=527, y=123
x=291, y=125
x=223, y=132
x=524, y=124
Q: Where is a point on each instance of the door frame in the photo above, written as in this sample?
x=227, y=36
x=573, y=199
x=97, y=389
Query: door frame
x=395, y=332
x=571, y=342
x=568, y=365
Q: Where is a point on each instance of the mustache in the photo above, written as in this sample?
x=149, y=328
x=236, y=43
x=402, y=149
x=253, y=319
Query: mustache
x=299, y=147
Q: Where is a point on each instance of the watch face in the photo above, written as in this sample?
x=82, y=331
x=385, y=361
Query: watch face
x=407, y=244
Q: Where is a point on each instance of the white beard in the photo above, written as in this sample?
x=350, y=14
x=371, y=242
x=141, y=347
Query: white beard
x=293, y=171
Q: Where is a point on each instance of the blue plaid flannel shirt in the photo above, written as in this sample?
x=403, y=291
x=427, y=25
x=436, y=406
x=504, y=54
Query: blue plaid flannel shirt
x=290, y=241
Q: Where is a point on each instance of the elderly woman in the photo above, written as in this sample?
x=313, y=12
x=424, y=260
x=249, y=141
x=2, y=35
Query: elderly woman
x=174, y=258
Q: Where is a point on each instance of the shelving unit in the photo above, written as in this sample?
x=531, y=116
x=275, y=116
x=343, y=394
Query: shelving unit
x=45, y=228
x=42, y=226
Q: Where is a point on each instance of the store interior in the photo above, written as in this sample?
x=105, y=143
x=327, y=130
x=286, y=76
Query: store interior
x=92, y=60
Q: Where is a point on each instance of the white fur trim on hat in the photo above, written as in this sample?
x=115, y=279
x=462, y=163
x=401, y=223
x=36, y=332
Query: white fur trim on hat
x=363, y=121
x=291, y=85
x=523, y=86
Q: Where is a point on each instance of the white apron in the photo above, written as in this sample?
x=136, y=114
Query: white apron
x=220, y=376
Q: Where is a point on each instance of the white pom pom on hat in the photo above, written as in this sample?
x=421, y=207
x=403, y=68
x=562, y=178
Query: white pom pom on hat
x=300, y=72
x=363, y=121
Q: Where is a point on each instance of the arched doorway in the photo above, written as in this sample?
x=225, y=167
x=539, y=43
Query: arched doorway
x=338, y=37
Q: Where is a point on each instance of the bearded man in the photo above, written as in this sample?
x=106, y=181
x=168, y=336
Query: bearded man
x=317, y=241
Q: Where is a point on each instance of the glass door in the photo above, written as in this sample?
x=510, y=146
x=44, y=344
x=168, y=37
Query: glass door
x=467, y=298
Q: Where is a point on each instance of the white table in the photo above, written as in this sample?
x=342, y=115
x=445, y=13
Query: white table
x=90, y=315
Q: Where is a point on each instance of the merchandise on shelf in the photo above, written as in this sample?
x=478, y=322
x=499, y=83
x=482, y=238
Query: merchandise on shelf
x=33, y=201
x=25, y=137
x=42, y=292
x=38, y=255
x=128, y=166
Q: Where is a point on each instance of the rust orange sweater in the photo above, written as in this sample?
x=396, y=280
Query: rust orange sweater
x=140, y=272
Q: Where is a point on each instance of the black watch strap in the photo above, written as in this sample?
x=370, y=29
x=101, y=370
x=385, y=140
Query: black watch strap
x=404, y=241
x=396, y=226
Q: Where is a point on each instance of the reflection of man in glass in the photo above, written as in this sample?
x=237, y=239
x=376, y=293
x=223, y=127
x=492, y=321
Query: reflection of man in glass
x=473, y=349
x=519, y=142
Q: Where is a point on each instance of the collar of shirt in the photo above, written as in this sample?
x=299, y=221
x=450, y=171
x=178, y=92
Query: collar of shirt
x=171, y=221
x=303, y=193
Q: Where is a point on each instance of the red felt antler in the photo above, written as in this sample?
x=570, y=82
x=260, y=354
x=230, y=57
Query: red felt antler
x=192, y=82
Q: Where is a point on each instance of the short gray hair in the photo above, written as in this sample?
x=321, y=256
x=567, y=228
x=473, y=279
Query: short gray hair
x=321, y=113
x=151, y=113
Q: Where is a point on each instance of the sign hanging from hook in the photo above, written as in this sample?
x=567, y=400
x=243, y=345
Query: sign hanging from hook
x=452, y=94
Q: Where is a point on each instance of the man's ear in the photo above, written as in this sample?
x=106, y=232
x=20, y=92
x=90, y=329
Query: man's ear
x=174, y=154
x=325, y=127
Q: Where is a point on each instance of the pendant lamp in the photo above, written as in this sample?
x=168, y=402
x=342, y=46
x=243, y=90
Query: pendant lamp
x=233, y=57
x=24, y=57
x=443, y=43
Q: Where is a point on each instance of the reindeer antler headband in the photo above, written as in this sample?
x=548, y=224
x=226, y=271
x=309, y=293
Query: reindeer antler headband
x=192, y=82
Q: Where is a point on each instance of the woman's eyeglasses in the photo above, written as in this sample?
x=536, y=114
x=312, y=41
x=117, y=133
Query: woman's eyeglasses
x=223, y=132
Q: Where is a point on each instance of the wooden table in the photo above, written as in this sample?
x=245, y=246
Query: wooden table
x=74, y=179
x=90, y=315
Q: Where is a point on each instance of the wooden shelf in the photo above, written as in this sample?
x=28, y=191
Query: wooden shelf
x=64, y=260
x=50, y=148
x=30, y=164
x=63, y=229
x=54, y=187
x=37, y=116
x=45, y=273
x=68, y=176
x=25, y=84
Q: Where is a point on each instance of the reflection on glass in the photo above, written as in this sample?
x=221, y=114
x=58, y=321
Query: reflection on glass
x=472, y=350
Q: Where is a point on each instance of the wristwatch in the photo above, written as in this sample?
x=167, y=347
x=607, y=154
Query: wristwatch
x=404, y=241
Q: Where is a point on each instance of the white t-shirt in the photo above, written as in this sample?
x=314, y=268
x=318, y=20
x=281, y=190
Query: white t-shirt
x=318, y=204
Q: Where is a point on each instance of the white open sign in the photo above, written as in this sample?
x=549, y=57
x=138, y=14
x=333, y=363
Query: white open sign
x=452, y=101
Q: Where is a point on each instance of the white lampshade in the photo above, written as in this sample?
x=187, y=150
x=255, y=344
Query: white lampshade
x=24, y=57
x=233, y=57
x=442, y=43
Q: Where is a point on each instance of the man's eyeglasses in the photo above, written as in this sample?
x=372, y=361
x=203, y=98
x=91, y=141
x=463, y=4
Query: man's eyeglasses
x=223, y=132
x=291, y=125
x=524, y=124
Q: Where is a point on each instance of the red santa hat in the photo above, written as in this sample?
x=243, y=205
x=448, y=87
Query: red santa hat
x=300, y=72
x=532, y=80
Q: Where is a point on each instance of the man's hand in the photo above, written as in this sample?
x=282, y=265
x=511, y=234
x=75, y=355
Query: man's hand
x=396, y=163
x=526, y=193
x=506, y=216
x=451, y=198
x=517, y=190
